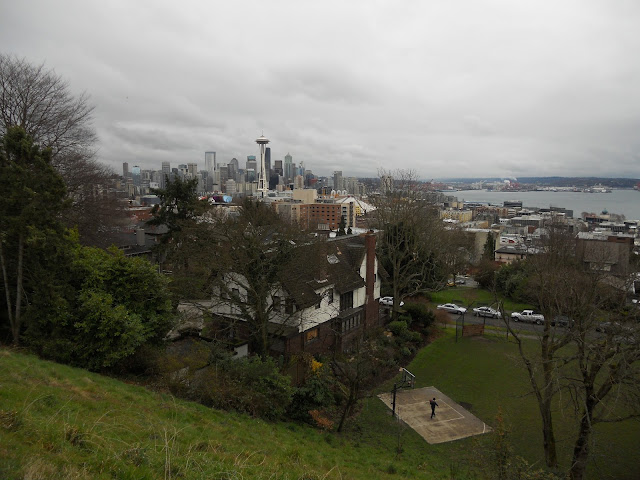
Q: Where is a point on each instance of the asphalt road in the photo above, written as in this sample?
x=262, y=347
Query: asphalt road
x=498, y=322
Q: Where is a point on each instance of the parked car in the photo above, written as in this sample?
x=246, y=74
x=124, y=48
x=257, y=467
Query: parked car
x=460, y=281
x=622, y=333
x=562, y=321
x=388, y=301
x=452, y=308
x=486, y=312
x=528, y=316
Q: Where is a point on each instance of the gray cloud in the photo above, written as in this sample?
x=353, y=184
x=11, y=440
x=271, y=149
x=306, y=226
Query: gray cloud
x=490, y=87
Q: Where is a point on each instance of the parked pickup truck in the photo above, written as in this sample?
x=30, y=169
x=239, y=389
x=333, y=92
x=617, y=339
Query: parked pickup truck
x=528, y=316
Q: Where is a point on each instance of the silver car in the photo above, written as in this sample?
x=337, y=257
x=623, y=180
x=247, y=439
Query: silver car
x=452, y=308
x=486, y=312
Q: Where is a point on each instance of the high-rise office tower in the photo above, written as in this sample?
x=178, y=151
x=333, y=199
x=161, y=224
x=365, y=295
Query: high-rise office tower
x=232, y=167
x=267, y=161
x=288, y=167
x=166, y=169
x=263, y=180
x=277, y=167
x=192, y=169
x=251, y=162
x=125, y=170
x=337, y=180
x=210, y=161
x=135, y=174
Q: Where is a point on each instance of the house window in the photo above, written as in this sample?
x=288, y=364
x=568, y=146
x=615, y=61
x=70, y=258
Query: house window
x=311, y=335
x=346, y=301
x=330, y=296
x=289, y=306
x=277, y=303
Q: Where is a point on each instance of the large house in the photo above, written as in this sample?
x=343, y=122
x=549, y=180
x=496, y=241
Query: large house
x=318, y=306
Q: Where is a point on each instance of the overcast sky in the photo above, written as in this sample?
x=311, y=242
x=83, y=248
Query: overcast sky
x=448, y=88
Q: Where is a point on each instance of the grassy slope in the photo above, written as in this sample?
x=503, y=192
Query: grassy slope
x=61, y=422
x=69, y=423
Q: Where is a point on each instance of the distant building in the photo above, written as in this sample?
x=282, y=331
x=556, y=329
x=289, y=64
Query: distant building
x=337, y=180
x=459, y=215
x=288, y=167
x=605, y=252
x=210, y=162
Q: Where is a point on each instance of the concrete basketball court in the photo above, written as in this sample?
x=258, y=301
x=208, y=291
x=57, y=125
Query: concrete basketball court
x=452, y=422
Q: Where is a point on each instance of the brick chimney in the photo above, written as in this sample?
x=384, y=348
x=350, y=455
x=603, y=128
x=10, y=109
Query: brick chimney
x=372, y=309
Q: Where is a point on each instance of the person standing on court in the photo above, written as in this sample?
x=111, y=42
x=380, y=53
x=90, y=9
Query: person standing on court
x=433, y=406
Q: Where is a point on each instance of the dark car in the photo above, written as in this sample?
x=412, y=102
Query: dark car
x=562, y=321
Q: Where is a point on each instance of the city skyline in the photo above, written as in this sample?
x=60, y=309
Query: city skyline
x=488, y=89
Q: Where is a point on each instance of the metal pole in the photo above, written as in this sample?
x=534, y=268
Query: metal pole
x=395, y=389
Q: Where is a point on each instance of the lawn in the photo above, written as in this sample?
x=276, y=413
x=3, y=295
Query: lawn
x=61, y=422
x=66, y=423
x=486, y=373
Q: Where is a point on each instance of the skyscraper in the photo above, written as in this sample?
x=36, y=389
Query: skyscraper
x=267, y=161
x=125, y=170
x=251, y=162
x=210, y=161
x=337, y=180
x=288, y=167
x=232, y=168
x=135, y=174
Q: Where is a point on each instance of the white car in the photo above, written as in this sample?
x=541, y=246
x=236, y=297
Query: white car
x=452, y=308
x=486, y=312
x=388, y=301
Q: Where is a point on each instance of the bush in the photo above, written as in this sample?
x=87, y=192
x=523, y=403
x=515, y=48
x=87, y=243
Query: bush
x=398, y=327
x=420, y=314
x=253, y=386
x=312, y=395
x=109, y=309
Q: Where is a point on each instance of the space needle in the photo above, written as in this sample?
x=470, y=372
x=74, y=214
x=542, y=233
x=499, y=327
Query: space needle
x=263, y=182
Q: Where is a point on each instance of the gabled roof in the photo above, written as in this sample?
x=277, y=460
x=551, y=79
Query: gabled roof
x=334, y=262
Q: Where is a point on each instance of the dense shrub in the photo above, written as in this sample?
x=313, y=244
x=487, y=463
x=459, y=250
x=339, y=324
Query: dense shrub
x=314, y=394
x=398, y=327
x=107, y=307
x=485, y=275
x=512, y=281
x=253, y=386
x=420, y=314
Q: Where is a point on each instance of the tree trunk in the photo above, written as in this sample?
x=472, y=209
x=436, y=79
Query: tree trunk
x=348, y=404
x=581, y=447
x=17, y=319
x=7, y=292
x=547, y=393
x=548, y=437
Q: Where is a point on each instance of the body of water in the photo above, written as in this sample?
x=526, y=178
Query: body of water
x=622, y=202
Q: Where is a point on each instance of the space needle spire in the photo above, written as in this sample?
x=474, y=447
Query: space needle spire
x=263, y=181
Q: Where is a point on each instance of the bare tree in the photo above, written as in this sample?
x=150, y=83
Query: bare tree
x=252, y=266
x=598, y=370
x=412, y=241
x=40, y=101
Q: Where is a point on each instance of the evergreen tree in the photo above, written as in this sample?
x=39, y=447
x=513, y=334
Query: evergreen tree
x=32, y=196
